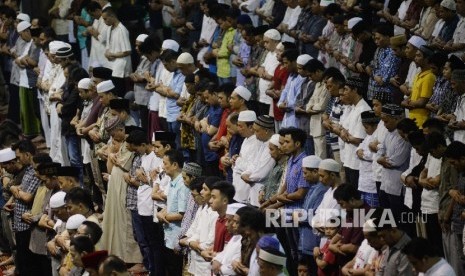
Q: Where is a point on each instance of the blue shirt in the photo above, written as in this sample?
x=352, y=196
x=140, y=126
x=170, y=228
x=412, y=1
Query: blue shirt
x=385, y=64
x=214, y=119
x=289, y=96
x=234, y=148
x=172, y=109
x=176, y=202
x=295, y=178
x=308, y=239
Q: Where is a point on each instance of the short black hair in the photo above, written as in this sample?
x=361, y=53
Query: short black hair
x=82, y=244
x=332, y=9
x=169, y=55
x=226, y=88
x=434, y=125
x=175, y=156
x=211, y=180
x=78, y=195
x=251, y=217
x=197, y=184
x=335, y=73
x=407, y=125
x=226, y=189
x=151, y=44
x=233, y=118
x=110, y=11
x=113, y=264
x=297, y=134
x=434, y=140
x=24, y=146
x=416, y=138
x=41, y=157
x=137, y=138
x=455, y=150
x=93, y=6
x=290, y=55
x=93, y=230
x=49, y=32
x=420, y=248
x=346, y=192
x=314, y=65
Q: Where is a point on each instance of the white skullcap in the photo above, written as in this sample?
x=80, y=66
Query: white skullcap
x=247, y=116
x=280, y=46
x=23, y=25
x=23, y=17
x=75, y=221
x=303, y=59
x=330, y=165
x=272, y=34
x=185, y=58
x=7, y=155
x=233, y=207
x=449, y=4
x=170, y=44
x=325, y=3
x=55, y=45
x=369, y=226
x=311, y=162
x=57, y=200
x=417, y=41
x=275, y=140
x=105, y=86
x=141, y=37
x=85, y=83
x=351, y=22
x=243, y=92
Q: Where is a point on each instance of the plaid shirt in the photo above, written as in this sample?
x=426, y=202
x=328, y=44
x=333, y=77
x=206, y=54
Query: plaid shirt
x=29, y=184
x=131, y=195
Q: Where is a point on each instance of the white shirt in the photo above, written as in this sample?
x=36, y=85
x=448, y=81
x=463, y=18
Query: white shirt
x=356, y=129
x=144, y=192
x=246, y=156
x=269, y=64
x=459, y=135
x=415, y=158
x=344, y=122
x=430, y=198
x=366, y=181
x=290, y=18
x=230, y=253
x=441, y=268
x=364, y=256
x=117, y=42
x=378, y=135
x=318, y=102
x=97, y=50
x=328, y=208
x=165, y=78
x=202, y=230
x=401, y=13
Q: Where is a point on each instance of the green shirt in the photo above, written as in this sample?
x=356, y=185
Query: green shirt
x=222, y=62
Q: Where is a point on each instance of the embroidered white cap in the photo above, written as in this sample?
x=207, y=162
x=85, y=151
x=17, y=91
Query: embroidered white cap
x=23, y=17
x=417, y=41
x=185, y=58
x=449, y=4
x=311, y=162
x=105, y=86
x=75, y=221
x=247, y=116
x=23, y=25
x=85, y=83
x=7, y=155
x=170, y=44
x=53, y=46
x=272, y=34
x=303, y=59
x=243, y=92
x=330, y=165
x=142, y=37
x=57, y=200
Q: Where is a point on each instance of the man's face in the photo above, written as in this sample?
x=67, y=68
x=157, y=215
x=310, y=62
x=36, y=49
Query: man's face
x=197, y=197
x=419, y=59
x=380, y=40
x=216, y=201
x=311, y=175
x=23, y=157
x=223, y=100
x=325, y=177
x=243, y=129
x=266, y=269
x=230, y=224
x=236, y=224
x=105, y=98
x=66, y=183
x=170, y=65
x=73, y=209
x=374, y=240
x=418, y=264
x=377, y=107
x=387, y=236
x=260, y=132
x=389, y=122
x=235, y=101
x=275, y=153
x=169, y=167
x=159, y=149
x=410, y=51
x=205, y=193
x=108, y=20
x=458, y=164
x=75, y=257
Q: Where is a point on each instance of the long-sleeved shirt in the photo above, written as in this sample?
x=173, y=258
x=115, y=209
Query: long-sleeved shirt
x=246, y=156
x=222, y=62
x=231, y=252
x=289, y=96
x=385, y=65
x=172, y=109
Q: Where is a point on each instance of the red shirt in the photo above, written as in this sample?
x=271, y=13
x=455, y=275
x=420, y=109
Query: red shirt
x=279, y=81
x=222, y=235
x=222, y=130
x=331, y=269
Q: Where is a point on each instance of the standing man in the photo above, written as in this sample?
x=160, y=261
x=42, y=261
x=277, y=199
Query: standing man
x=117, y=50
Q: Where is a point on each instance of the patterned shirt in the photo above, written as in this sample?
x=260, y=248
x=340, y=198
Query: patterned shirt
x=385, y=64
x=272, y=182
x=29, y=184
x=448, y=29
x=457, y=222
x=440, y=90
x=131, y=194
x=188, y=218
x=295, y=178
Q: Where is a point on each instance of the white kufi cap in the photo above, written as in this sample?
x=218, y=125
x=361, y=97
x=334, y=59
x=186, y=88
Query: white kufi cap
x=330, y=165
x=75, y=221
x=105, y=86
x=85, y=83
x=23, y=17
x=141, y=37
x=23, y=25
x=243, y=92
x=57, y=200
x=233, y=207
x=449, y=4
x=351, y=22
x=325, y=3
x=55, y=45
x=247, y=116
x=275, y=140
x=272, y=34
x=311, y=162
x=170, y=44
x=7, y=155
x=303, y=59
x=417, y=41
x=185, y=58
